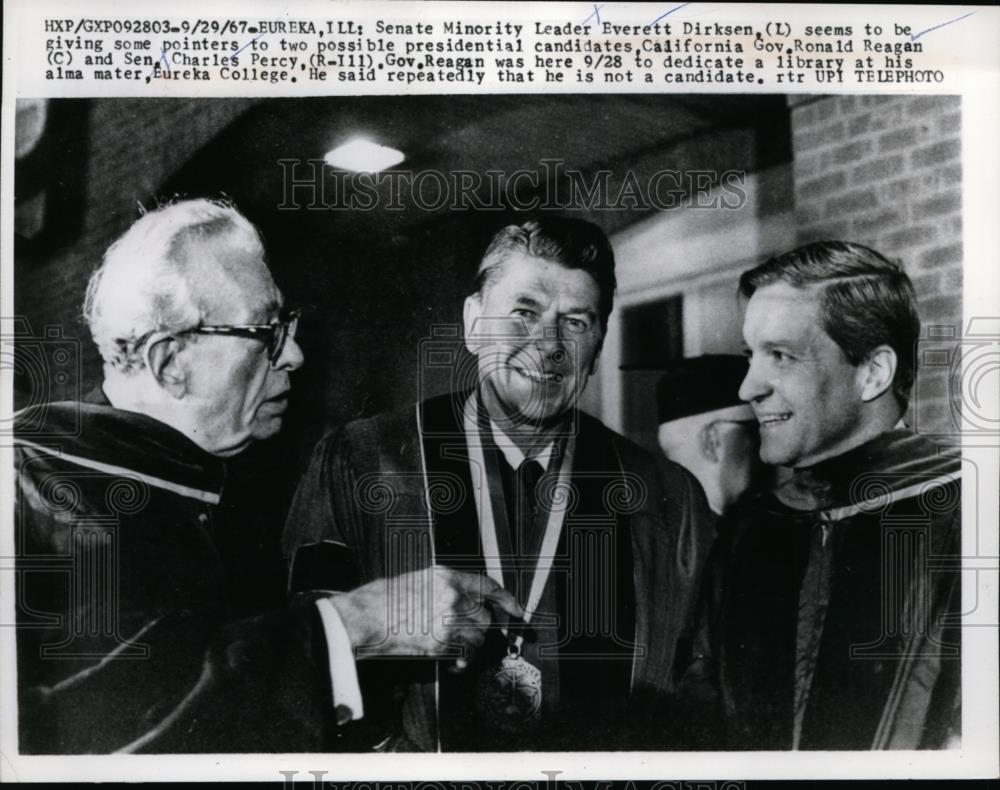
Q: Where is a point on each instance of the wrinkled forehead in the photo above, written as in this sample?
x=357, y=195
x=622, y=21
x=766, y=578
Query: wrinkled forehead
x=230, y=281
x=522, y=272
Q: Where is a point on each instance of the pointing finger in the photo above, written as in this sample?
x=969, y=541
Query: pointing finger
x=499, y=598
x=483, y=588
x=502, y=599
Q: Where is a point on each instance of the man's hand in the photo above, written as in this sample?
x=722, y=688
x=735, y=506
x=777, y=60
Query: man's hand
x=431, y=612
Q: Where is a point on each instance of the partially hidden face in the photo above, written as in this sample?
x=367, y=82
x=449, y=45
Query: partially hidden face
x=739, y=454
x=805, y=393
x=536, y=331
x=236, y=394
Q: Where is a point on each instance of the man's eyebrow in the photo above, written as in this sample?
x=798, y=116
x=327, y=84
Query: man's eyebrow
x=574, y=310
x=794, y=345
x=527, y=299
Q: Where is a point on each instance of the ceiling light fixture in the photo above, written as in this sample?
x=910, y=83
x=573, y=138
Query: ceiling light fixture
x=363, y=156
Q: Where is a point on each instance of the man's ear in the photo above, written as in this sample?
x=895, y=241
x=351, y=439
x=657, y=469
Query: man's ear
x=877, y=372
x=708, y=442
x=594, y=361
x=162, y=361
x=471, y=311
x=597, y=352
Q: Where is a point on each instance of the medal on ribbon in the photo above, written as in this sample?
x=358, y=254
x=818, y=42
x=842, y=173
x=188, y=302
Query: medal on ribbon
x=510, y=694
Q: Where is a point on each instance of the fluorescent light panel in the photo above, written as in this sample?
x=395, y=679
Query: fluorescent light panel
x=363, y=156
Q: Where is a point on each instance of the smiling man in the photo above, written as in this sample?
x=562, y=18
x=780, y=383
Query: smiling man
x=832, y=593
x=507, y=479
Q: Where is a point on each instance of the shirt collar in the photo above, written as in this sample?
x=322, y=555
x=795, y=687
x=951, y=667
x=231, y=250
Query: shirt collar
x=514, y=455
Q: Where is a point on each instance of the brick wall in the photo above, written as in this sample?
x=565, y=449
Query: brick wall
x=885, y=171
x=134, y=146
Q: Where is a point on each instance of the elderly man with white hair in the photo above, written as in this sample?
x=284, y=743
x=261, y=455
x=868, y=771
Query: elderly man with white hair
x=128, y=638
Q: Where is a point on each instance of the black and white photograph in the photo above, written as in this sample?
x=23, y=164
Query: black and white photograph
x=514, y=424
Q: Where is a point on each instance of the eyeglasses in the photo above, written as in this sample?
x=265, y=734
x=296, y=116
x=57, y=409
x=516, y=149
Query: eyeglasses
x=274, y=336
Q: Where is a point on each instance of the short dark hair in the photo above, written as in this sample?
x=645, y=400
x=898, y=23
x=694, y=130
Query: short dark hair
x=573, y=243
x=867, y=300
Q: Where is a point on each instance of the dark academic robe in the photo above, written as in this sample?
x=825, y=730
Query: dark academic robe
x=394, y=493
x=134, y=626
x=830, y=616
